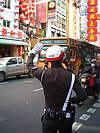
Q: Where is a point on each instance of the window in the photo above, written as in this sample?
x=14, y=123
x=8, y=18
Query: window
x=12, y=61
x=38, y=0
x=6, y=4
x=6, y=23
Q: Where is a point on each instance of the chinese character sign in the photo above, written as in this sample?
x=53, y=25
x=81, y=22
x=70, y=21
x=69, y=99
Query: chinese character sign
x=92, y=38
x=98, y=16
x=92, y=24
x=91, y=16
x=92, y=2
x=11, y=33
x=92, y=10
x=92, y=30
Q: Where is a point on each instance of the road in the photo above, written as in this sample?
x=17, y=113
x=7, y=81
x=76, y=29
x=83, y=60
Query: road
x=22, y=104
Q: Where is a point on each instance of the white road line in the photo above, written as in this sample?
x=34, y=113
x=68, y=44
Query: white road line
x=91, y=110
x=99, y=100
x=84, y=117
x=96, y=105
x=38, y=89
x=76, y=126
x=3, y=83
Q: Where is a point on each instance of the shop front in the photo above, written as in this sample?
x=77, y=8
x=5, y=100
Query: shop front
x=13, y=43
x=13, y=48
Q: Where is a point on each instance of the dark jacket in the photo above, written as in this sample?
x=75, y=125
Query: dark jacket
x=56, y=82
x=91, y=71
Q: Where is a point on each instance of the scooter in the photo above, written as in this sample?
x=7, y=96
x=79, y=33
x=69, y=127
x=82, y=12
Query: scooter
x=88, y=84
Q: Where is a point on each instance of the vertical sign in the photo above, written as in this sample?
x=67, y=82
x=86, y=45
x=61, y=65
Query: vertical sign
x=92, y=17
x=51, y=11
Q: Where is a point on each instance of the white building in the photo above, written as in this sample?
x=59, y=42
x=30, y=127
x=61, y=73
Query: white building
x=56, y=26
x=12, y=40
x=67, y=19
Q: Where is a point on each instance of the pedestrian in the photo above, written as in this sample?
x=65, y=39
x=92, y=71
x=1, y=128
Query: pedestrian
x=56, y=82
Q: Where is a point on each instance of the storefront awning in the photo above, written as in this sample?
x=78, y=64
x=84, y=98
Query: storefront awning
x=13, y=42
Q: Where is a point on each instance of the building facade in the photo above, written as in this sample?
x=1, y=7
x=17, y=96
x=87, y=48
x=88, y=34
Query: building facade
x=12, y=40
x=62, y=20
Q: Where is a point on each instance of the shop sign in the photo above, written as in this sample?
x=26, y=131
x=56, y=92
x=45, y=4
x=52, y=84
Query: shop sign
x=98, y=16
x=92, y=38
x=92, y=10
x=92, y=2
x=92, y=31
x=11, y=33
x=92, y=24
x=19, y=52
x=92, y=17
x=51, y=11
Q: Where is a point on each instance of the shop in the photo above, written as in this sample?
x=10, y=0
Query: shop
x=13, y=44
x=14, y=48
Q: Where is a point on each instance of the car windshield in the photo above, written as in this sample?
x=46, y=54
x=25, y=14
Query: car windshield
x=2, y=61
x=42, y=55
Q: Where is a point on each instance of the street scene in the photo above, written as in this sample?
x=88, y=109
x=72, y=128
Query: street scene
x=22, y=105
x=49, y=66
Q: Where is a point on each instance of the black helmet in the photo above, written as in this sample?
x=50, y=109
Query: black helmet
x=94, y=61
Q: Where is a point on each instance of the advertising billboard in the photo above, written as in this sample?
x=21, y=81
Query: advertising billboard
x=51, y=10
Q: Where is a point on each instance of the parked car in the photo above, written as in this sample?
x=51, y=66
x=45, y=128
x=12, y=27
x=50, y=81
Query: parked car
x=12, y=66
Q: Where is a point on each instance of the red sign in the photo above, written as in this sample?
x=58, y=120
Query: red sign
x=4, y=32
x=92, y=2
x=92, y=24
x=19, y=34
x=98, y=16
x=51, y=5
x=92, y=38
x=91, y=31
x=19, y=52
x=91, y=16
x=92, y=9
x=12, y=33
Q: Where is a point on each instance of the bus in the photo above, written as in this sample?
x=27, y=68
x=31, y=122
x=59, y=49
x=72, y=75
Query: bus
x=79, y=52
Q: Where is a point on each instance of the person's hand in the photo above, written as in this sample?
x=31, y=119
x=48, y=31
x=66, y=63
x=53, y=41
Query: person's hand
x=94, y=76
x=37, y=48
x=80, y=74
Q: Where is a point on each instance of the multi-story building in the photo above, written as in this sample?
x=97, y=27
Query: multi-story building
x=12, y=40
x=62, y=20
x=54, y=19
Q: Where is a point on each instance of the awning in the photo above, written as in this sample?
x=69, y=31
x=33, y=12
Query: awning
x=13, y=42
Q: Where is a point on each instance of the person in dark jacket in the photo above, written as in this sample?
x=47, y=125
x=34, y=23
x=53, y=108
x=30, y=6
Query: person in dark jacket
x=56, y=82
x=94, y=70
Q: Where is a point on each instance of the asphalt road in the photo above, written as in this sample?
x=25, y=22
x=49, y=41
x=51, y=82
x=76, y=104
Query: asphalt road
x=22, y=104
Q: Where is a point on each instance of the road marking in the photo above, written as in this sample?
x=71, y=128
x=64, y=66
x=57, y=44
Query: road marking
x=38, y=89
x=91, y=110
x=76, y=126
x=3, y=83
x=96, y=105
x=84, y=117
x=99, y=100
x=28, y=81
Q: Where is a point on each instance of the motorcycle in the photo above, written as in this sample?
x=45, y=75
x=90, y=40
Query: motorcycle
x=88, y=84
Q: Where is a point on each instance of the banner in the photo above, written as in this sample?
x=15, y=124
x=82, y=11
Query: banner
x=51, y=11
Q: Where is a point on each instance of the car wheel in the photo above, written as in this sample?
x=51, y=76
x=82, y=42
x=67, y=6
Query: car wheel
x=30, y=75
x=2, y=76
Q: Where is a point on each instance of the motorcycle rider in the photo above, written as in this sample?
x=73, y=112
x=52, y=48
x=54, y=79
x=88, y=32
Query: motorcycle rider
x=56, y=82
x=94, y=70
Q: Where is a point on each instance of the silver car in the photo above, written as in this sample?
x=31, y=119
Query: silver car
x=12, y=66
